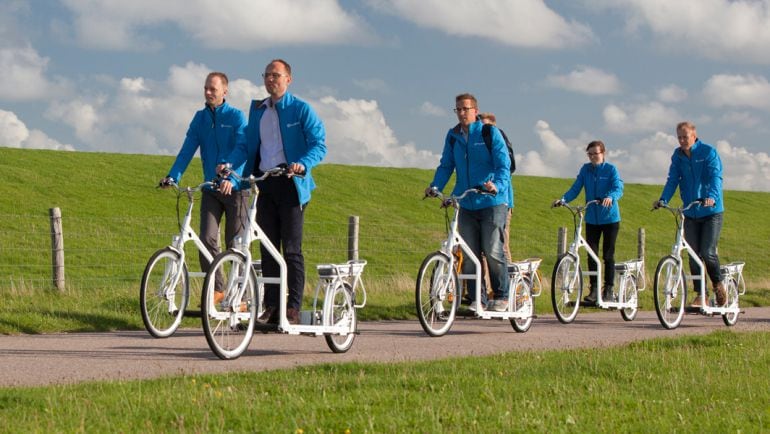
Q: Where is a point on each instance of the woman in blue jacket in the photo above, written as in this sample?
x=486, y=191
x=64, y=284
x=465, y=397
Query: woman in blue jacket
x=601, y=182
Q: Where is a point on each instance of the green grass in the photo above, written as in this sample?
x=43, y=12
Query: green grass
x=713, y=383
x=114, y=219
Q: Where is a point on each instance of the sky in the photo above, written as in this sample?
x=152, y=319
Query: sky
x=127, y=76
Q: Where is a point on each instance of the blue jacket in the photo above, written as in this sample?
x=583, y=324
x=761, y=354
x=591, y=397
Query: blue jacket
x=600, y=181
x=698, y=177
x=216, y=132
x=303, y=136
x=475, y=165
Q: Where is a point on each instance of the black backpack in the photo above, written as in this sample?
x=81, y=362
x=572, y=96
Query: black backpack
x=486, y=134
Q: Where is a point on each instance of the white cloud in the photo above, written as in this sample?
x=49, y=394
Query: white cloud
x=520, y=23
x=646, y=117
x=24, y=75
x=371, y=85
x=738, y=91
x=715, y=29
x=430, y=109
x=555, y=158
x=357, y=133
x=672, y=93
x=233, y=24
x=741, y=119
x=15, y=134
x=744, y=170
x=586, y=80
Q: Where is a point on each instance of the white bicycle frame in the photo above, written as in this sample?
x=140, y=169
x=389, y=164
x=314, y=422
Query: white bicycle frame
x=578, y=242
x=681, y=245
x=242, y=244
x=455, y=241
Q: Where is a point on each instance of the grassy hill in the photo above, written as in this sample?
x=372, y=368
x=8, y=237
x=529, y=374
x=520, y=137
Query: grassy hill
x=114, y=218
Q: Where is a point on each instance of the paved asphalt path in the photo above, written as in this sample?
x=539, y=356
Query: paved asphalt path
x=39, y=360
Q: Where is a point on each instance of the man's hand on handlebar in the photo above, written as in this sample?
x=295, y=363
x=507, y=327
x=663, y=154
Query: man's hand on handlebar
x=166, y=182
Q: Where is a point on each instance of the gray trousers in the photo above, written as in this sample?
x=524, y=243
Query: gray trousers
x=214, y=204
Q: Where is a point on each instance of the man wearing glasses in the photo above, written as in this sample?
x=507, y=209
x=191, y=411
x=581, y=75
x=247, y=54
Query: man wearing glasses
x=282, y=129
x=482, y=217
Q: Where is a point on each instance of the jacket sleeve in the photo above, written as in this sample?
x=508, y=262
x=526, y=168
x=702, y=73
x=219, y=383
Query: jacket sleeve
x=672, y=181
x=574, y=191
x=445, y=167
x=616, y=185
x=315, y=137
x=714, y=173
x=189, y=147
x=501, y=161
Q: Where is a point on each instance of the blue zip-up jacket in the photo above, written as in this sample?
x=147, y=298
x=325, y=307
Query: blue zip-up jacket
x=216, y=132
x=475, y=165
x=303, y=135
x=698, y=177
x=600, y=181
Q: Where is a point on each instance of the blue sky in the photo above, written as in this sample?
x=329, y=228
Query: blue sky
x=127, y=76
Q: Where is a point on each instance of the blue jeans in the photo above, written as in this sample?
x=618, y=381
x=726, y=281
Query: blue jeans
x=484, y=232
x=702, y=234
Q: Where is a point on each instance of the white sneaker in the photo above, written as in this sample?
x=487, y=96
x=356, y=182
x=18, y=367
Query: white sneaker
x=500, y=306
x=474, y=306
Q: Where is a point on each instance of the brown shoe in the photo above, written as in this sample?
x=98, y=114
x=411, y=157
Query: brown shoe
x=218, y=296
x=269, y=316
x=721, y=293
x=292, y=315
x=697, y=303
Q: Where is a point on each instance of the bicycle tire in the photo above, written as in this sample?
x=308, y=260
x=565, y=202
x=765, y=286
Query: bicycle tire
x=566, y=282
x=629, y=295
x=521, y=300
x=436, y=294
x=162, y=302
x=339, y=309
x=229, y=327
x=669, y=293
x=731, y=286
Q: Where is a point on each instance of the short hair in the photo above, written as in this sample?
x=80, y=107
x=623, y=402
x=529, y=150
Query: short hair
x=487, y=116
x=595, y=143
x=222, y=76
x=282, y=62
x=685, y=125
x=463, y=96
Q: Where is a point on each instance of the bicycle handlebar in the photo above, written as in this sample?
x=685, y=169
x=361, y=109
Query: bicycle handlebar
x=448, y=200
x=281, y=170
x=170, y=182
x=664, y=205
x=576, y=208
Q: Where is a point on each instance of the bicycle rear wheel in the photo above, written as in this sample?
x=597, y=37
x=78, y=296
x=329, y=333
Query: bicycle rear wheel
x=731, y=286
x=669, y=292
x=629, y=295
x=340, y=311
x=522, y=301
x=566, y=288
x=436, y=296
x=164, y=293
x=229, y=324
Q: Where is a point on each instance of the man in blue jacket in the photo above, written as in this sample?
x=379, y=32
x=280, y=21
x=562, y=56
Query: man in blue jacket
x=282, y=129
x=697, y=170
x=482, y=217
x=601, y=181
x=215, y=130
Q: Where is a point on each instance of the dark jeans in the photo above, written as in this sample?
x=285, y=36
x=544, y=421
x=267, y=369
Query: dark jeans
x=281, y=217
x=702, y=234
x=610, y=233
x=483, y=230
x=214, y=204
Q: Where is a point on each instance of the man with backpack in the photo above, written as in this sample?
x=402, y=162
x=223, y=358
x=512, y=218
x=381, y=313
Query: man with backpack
x=482, y=216
x=488, y=118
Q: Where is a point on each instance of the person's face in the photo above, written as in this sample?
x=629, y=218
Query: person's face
x=277, y=79
x=214, y=91
x=466, y=112
x=686, y=138
x=595, y=155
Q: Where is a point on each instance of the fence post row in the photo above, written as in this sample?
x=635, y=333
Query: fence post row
x=353, y=238
x=57, y=248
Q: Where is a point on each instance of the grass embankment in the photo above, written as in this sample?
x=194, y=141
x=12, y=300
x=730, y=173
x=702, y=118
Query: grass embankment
x=114, y=219
x=714, y=383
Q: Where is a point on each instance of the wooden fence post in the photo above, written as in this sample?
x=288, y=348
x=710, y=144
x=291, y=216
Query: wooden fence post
x=57, y=248
x=353, y=238
x=561, y=241
x=640, y=249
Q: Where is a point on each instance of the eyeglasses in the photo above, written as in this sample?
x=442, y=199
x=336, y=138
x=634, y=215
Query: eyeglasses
x=591, y=154
x=274, y=75
x=464, y=109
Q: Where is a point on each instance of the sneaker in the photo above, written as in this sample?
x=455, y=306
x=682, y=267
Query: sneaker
x=499, y=306
x=608, y=294
x=269, y=316
x=698, y=302
x=292, y=315
x=721, y=294
x=474, y=306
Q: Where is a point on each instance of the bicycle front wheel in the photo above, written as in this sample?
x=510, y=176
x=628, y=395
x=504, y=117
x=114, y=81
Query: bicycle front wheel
x=669, y=292
x=340, y=311
x=566, y=288
x=229, y=324
x=522, y=301
x=629, y=295
x=436, y=295
x=731, y=286
x=164, y=293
